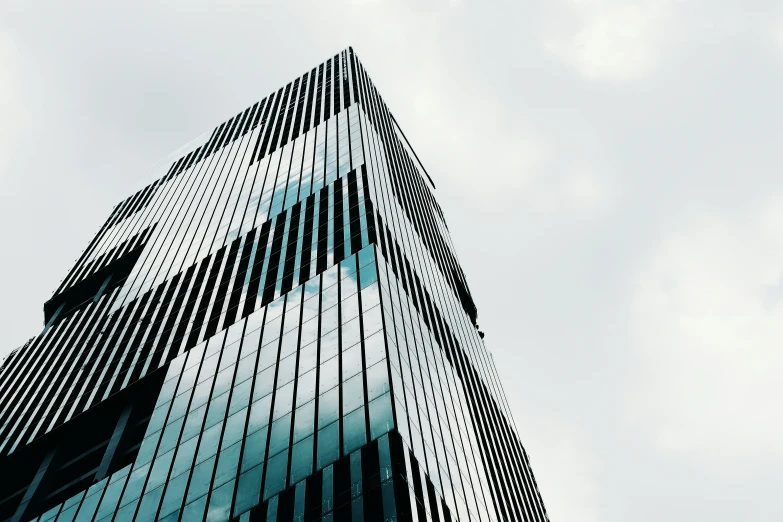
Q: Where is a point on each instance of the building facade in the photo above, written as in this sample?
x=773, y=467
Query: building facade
x=276, y=329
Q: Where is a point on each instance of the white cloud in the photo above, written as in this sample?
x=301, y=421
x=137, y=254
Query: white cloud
x=612, y=40
x=587, y=191
x=577, y=193
x=776, y=34
x=709, y=336
x=12, y=110
x=563, y=459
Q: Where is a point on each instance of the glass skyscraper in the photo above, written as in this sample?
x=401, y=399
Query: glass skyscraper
x=276, y=329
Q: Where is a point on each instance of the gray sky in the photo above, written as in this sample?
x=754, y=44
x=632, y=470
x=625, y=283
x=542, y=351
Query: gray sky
x=610, y=171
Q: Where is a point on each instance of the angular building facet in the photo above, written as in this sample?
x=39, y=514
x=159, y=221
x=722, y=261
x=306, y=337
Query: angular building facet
x=276, y=329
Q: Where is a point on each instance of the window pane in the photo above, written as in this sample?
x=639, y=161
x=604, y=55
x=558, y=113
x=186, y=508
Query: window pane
x=307, y=358
x=149, y=504
x=352, y=361
x=355, y=430
x=240, y=397
x=281, y=433
x=220, y=503
x=255, y=449
x=259, y=414
x=235, y=428
x=329, y=346
x=328, y=444
x=184, y=458
x=209, y=442
x=217, y=410
x=351, y=333
x=329, y=374
x=377, y=380
x=284, y=400
x=302, y=459
x=381, y=420
x=303, y=421
x=195, y=510
x=276, y=474
x=374, y=348
x=202, y=475
x=265, y=383
x=227, y=464
x=305, y=390
x=174, y=493
x=328, y=407
x=353, y=393
x=248, y=489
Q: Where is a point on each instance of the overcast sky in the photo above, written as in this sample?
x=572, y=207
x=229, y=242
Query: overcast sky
x=610, y=171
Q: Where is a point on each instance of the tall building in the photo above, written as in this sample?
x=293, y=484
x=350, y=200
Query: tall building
x=276, y=329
